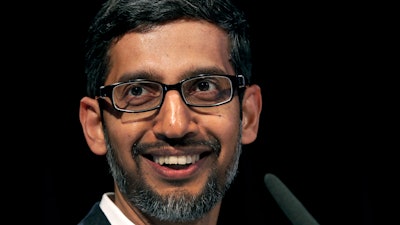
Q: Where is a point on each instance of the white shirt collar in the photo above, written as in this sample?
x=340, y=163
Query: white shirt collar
x=112, y=212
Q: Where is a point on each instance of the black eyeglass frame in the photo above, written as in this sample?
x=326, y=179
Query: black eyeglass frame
x=237, y=81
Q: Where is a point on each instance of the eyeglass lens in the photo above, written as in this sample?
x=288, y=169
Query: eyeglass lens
x=196, y=91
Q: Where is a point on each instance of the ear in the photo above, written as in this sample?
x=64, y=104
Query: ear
x=251, y=110
x=90, y=118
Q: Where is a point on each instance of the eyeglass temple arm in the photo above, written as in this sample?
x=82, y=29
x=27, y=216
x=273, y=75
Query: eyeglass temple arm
x=241, y=81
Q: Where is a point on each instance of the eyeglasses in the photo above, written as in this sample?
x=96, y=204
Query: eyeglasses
x=141, y=95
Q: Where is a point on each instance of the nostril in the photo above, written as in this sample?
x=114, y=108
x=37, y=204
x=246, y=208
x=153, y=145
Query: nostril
x=174, y=141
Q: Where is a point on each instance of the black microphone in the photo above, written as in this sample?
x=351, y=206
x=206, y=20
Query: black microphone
x=288, y=203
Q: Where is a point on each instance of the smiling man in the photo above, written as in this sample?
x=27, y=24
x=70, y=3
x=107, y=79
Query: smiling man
x=170, y=103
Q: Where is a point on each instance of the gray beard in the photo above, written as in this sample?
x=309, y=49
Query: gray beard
x=173, y=207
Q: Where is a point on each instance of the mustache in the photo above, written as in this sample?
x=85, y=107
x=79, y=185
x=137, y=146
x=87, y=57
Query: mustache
x=213, y=143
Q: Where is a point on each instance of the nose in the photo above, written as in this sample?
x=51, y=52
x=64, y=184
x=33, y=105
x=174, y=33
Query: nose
x=174, y=119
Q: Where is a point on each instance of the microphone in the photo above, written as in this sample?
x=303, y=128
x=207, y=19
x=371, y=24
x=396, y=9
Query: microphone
x=288, y=203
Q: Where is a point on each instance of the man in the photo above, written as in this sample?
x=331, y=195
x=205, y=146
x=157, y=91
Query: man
x=170, y=103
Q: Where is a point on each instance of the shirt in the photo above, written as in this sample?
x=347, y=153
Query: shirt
x=112, y=212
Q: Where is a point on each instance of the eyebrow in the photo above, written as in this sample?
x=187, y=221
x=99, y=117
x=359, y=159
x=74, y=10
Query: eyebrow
x=148, y=75
x=137, y=75
x=203, y=70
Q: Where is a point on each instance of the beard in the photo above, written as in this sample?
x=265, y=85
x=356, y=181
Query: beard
x=179, y=206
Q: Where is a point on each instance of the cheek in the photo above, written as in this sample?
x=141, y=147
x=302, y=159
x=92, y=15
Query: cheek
x=225, y=125
x=122, y=135
x=230, y=129
x=122, y=138
x=227, y=130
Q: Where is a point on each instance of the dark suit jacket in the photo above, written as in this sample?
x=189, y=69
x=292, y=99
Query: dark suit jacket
x=95, y=217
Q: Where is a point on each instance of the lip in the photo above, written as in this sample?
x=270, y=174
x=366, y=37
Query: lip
x=177, y=174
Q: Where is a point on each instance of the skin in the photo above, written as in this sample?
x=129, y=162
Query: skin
x=168, y=54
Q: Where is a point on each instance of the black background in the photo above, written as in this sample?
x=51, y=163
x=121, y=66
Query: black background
x=328, y=126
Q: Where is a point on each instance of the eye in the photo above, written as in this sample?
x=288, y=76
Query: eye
x=137, y=93
x=137, y=90
x=204, y=85
x=202, y=89
x=208, y=84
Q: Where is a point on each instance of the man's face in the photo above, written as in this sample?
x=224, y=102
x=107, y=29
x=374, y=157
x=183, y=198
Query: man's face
x=205, y=141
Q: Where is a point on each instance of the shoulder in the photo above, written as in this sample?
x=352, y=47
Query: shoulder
x=95, y=216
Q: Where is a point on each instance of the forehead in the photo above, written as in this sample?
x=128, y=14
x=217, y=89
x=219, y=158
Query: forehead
x=174, y=48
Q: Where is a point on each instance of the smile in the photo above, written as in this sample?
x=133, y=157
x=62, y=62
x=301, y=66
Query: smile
x=176, y=160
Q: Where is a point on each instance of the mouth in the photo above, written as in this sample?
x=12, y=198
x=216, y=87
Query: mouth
x=177, y=161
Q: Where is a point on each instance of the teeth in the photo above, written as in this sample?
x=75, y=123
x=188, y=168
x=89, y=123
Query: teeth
x=176, y=160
